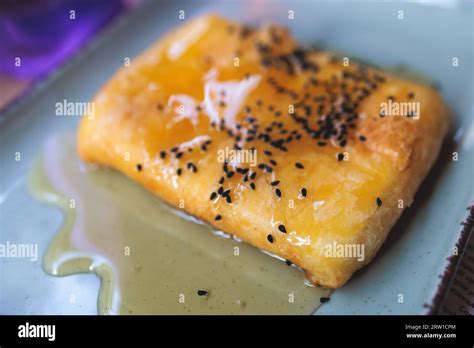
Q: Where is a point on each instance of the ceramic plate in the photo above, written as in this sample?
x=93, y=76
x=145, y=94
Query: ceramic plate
x=426, y=37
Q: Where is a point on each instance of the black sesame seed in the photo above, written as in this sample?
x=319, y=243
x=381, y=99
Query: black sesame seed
x=192, y=167
x=270, y=238
x=362, y=138
x=379, y=201
x=304, y=192
x=179, y=171
x=278, y=192
x=252, y=185
x=218, y=217
x=288, y=262
x=250, y=119
x=299, y=165
x=274, y=183
x=230, y=174
x=282, y=228
x=202, y=292
x=340, y=156
x=163, y=154
x=139, y=167
x=242, y=170
x=228, y=199
x=265, y=167
x=179, y=155
x=213, y=196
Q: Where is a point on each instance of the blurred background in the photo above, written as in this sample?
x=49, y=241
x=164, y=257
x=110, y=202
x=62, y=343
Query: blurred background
x=38, y=36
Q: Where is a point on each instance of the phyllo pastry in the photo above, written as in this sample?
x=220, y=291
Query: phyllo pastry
x=301, y=153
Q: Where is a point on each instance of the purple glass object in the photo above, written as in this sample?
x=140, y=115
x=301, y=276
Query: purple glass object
x=36, y=35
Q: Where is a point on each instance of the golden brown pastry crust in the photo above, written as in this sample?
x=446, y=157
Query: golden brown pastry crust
x=138, y=116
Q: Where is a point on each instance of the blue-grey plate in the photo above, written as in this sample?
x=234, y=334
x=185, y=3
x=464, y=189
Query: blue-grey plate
x=426, y=37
